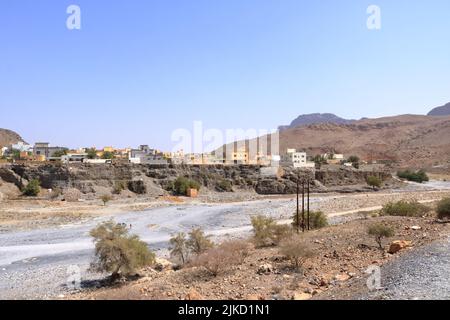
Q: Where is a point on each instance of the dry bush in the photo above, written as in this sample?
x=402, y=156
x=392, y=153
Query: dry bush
x=72, y=195
x=297, y=250
x=105, y=198
x=267, y=232
x=56, y=192
x=198, y=242
x=218, y=260
x=443, y=208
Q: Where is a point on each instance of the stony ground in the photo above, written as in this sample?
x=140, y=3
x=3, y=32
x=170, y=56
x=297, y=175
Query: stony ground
x=343, y=253
x=420, y=274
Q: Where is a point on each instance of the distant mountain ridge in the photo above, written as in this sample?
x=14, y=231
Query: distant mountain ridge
x=441, y=111
x=8, y=137
x=316, y=118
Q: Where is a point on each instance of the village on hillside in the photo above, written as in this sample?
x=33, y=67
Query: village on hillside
x=21, y=152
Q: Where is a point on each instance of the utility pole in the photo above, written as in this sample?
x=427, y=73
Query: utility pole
x=298, y=209
x=308, y=202
x=303, y=205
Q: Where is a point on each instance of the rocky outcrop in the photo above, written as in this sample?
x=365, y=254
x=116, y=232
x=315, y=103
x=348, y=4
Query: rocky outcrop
x=154, y=180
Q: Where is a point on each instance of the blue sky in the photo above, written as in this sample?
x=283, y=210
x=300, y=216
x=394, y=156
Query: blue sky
x=137, y=70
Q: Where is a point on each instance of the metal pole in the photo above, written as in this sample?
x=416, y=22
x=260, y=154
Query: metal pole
x=303, y=205
x=297, y=224
x=308, y=203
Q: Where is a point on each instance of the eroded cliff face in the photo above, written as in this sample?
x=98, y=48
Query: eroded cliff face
x=154, y=180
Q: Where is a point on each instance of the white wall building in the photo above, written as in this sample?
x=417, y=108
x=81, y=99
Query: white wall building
x=295, y=159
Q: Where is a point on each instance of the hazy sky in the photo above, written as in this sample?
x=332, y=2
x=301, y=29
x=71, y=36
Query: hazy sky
x=137, y=70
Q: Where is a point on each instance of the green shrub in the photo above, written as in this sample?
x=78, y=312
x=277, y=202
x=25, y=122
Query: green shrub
x=224, y=186
x=317, y=220
x=108, y=155
x=380, y=231
x=267, y=232
x=198, y=242
x=404, y=208
x=119, y=186
x=443, y=208
x=414, y=176
x=179, y=247
x=32, y=189
x=182, y=184
x=374, y=182
x=118, y=252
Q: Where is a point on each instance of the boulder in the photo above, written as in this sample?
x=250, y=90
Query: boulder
x=163, y=264
x=265, y=268
x=398, y=245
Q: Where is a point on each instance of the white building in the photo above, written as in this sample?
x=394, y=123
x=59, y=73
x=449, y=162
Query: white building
x=295, y=159
x=73, y=157
x=22, y=147
x=3, y=151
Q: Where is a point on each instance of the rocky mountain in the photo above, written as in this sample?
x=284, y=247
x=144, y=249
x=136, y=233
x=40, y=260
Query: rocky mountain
x=441, y=111
x=316, y=118
x=8, y=137
x=416, y=141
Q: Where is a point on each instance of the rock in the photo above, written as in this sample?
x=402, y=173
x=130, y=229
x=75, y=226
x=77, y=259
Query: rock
x=398, y=245
x=163, y=264
x=302, y=296
x=265, y=268
x=415, y=228
x=342, y=277
x=193, y=295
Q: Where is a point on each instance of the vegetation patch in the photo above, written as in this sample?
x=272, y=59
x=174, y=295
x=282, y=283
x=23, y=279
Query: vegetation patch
x=404, y=208
x=443, y=209
x=414, y=176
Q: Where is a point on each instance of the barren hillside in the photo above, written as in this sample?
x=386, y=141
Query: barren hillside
x=8, y=137
x=410, y=140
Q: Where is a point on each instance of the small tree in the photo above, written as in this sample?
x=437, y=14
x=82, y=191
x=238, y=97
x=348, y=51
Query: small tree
x=443, y=208
x=353, y=159
x=182, y=184
x=32, y=189
x=380, y=231
x=297, y=250
x=118, y=252
x=59, y=153
x=105, y=198
x=263, y=228
x=91, y=153
x=224, y=186
x=374, y=182
x=178, y=247
x=198, y=242
x=108, y=155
